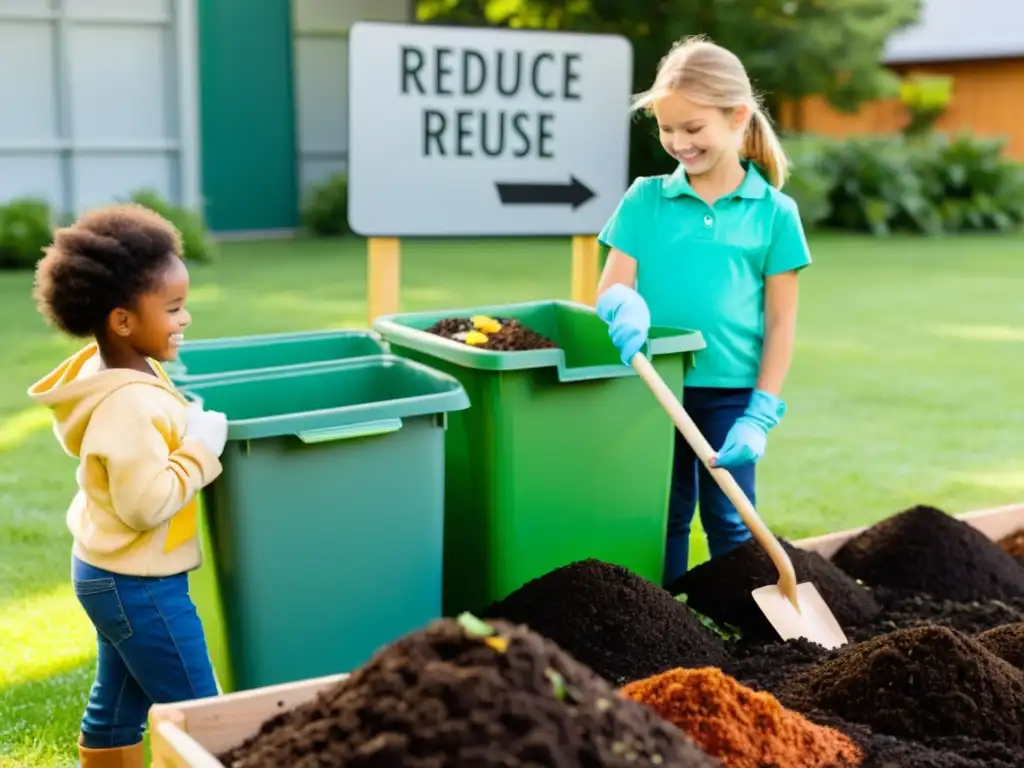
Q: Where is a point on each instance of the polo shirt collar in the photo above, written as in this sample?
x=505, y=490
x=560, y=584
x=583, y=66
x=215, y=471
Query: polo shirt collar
x=752, y=187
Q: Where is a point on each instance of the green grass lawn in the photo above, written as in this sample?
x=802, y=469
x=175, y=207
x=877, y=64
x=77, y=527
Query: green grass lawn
x=907, y=358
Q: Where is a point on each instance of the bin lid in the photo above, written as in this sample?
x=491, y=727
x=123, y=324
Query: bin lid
x=320, y=402
x=584, y=349
x=232, y=354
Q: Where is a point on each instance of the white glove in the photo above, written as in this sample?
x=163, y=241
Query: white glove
x=208, y=427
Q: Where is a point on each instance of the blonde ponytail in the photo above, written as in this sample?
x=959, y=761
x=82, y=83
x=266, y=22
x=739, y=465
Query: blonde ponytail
x=762, y=147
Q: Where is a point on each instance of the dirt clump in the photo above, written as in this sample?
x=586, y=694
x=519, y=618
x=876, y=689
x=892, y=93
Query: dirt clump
x=720, y=588
x=881, y=751
x=769, y=665
x=614, y=621
x=1006, y=642
x=901, y=611
x=919, y=683
x=474, y=694
x=741, y=727
x=923, y=550
x=497, y=334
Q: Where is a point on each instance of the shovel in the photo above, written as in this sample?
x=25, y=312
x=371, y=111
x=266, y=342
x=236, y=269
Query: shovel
x=794, y=610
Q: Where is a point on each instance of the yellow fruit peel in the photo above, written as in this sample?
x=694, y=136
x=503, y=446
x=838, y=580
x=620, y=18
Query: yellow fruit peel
x=485, y=324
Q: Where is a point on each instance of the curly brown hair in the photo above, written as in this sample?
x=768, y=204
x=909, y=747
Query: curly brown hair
x=105, y=260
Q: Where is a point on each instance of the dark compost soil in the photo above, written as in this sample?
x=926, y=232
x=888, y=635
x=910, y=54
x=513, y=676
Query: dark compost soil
x=773, y=665
x=513, y=336
x=1006, y=642
x=919, y=683
x=720, y=588
x=619, y=624
x=448, y=696
x=923, y=550
x=900, y=611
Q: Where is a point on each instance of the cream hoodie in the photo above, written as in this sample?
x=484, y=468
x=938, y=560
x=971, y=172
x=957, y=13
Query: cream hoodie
x=138, y=473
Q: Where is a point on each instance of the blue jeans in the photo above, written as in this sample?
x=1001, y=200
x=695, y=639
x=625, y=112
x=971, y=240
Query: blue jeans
x=151, y=650
x=714, y=411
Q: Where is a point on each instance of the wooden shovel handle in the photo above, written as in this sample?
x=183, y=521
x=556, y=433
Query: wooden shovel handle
x=724, y=478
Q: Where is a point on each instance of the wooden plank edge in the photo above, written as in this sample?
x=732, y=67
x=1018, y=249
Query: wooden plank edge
x=219, y=723
x=994, y=522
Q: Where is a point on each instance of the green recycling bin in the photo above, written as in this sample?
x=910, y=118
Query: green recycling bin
x=326, y=526
x=564, y=454
x=205, y=359
x=209, y=359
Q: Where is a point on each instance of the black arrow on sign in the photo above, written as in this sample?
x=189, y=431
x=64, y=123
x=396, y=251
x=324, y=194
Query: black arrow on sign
x=575, y=193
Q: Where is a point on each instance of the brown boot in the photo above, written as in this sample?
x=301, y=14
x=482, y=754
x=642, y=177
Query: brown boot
x=118, y=757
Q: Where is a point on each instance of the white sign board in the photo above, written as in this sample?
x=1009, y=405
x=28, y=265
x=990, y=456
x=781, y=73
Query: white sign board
x=469, y=131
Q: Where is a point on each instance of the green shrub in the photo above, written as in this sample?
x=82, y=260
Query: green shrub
x=927, y=185
x=325, y=209
x=976, y=187
x=875, y=188
x=810, y=180
x=199, y=246
x=26, y=228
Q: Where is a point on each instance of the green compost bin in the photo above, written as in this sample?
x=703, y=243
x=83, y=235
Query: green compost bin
x=205, y=359
x=209, y=359
x=564, y=454
x=326, y=525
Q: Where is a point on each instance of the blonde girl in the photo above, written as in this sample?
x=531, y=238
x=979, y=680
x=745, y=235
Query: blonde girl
x=715, y=246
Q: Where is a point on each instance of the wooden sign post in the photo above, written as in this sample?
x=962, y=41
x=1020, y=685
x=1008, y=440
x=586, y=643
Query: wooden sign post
x=383, y=276
x=585, y=269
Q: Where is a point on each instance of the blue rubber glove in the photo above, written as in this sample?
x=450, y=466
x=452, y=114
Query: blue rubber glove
x=745, y=442
x=628, y=318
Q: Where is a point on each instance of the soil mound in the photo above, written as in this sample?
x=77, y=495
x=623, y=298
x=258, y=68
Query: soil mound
x=1006, y=642
x=720, y=588
x=612, y=620
x=741, y=727
x=769, y=666
x=926, y=551
x=469, y=694
x=920, y=683
x=903, y=611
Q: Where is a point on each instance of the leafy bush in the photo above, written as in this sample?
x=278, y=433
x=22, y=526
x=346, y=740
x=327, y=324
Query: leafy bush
x=325, y=210
x=198, y=245
x=929, y=185
x=810, y=179
x=976, y=187
x=26, y=228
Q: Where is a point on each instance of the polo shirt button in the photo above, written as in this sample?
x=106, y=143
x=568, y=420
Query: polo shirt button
x=708, y=221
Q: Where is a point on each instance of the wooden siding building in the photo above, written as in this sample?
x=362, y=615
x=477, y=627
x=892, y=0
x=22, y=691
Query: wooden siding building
x=980, y=44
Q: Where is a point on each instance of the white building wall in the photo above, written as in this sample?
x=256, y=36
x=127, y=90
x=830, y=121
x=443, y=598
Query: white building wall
x=97, y=99
x=320, y=54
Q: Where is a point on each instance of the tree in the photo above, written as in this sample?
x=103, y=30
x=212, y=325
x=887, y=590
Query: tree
x=792, y=49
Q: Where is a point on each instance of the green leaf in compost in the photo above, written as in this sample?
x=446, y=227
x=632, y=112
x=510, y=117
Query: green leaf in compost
x=474, y=626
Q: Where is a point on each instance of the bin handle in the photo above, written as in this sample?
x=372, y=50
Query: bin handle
x=349, y=431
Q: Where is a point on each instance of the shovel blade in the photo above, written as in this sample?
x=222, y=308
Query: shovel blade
x=814, y=621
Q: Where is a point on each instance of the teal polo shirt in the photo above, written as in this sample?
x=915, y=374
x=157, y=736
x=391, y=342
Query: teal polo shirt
x=703, y=267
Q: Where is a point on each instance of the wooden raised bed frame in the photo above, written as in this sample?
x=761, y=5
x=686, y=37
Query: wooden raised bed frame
x=189, y=734
x=995, y=523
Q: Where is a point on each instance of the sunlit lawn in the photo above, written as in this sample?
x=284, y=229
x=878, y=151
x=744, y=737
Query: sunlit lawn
x=908, y=358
